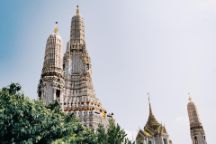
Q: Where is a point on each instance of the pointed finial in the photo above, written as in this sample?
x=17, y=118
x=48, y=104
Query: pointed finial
x=150, y=109
x=77, y=10
x=190, y=99
x=189, y=95
x=56, y=27
x=148, y=94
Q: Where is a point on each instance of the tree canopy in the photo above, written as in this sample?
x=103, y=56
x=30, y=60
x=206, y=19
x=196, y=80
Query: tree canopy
x=26, y=121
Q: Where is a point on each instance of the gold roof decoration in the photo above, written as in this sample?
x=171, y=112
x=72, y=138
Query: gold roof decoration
x=147, y=134
x=152, y=121
x=153, y=127
x=103, y=114
x=142, y=133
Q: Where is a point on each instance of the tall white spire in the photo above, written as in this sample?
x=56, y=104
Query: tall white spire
x=79, y=94
x=51, y=84
x=77, y=34
x=53, y=53
x=196, y=128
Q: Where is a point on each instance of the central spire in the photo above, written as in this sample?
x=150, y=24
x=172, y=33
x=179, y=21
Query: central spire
x=79, y=96
x=77, y=34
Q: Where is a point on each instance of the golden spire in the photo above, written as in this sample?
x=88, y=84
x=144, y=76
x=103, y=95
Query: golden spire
x=77, y=10
x=56, y=28
x=152, y=124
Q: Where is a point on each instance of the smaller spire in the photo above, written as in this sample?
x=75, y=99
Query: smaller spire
x=77, y=10
x=56, y=28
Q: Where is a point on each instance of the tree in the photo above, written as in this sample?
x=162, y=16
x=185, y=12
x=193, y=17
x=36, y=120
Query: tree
x=114, y=135
x=102, y=137
x=26, y=121
x=81, y=135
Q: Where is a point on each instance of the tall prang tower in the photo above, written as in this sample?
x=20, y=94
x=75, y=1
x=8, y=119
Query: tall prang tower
x=196, y=128
x=79, y=94
x=68, y=79
x=51, y=85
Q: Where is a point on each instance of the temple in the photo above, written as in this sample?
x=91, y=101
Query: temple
x=68, y=79
x=153, y=132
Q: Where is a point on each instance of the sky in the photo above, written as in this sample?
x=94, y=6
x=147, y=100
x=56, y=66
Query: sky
x=166, y=48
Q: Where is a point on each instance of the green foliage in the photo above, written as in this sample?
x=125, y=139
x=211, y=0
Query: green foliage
x=81, y=136
x=102, y=137
x=25, y=121
x=114, y=135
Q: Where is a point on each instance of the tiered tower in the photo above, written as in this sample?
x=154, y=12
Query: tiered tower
x=153, y=132
x=70, y=82
x=51, y=85
x=196, y=128
x=79, y=95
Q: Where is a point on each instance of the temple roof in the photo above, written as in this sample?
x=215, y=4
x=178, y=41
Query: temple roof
x=153, y=127
x=152, y=121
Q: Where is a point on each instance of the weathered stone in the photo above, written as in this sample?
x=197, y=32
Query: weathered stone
x=196, y=128
x=68, y=79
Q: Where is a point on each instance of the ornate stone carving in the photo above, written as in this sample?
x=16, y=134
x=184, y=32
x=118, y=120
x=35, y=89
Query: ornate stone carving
x=68, y=79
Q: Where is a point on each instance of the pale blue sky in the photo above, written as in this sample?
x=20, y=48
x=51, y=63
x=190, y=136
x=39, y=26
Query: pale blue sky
x=164, y=47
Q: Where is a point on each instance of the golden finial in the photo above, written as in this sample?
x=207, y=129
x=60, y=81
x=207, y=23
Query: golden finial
x=56, y=27
x=77, y=10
